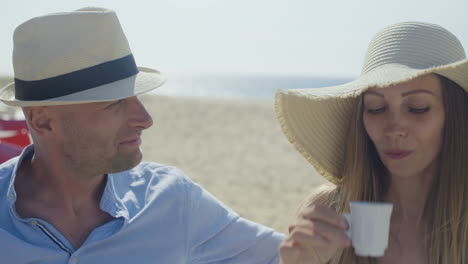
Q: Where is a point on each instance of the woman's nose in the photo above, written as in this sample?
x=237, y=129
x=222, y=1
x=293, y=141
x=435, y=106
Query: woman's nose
x=396, y=133
x=395, y=126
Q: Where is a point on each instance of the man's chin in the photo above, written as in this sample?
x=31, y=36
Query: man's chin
x=127, y=162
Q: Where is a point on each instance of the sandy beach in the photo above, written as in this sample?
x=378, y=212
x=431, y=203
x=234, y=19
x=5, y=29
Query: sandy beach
x=236, y=150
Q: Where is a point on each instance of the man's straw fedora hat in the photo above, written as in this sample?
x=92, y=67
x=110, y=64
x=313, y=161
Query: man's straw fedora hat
x=75, y=57
x=316, y=120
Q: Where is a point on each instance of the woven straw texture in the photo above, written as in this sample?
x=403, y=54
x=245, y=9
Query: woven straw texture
x=61, y=43
x=316, y=120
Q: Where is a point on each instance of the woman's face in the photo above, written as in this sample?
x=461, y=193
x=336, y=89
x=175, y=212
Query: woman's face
x=405, y=122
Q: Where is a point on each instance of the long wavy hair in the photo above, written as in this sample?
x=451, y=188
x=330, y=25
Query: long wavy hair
x=364, y=177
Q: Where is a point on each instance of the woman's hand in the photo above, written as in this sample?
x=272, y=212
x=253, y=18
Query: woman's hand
x=316, y=236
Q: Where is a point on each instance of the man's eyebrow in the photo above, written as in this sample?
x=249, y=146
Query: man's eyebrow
x=403, y=94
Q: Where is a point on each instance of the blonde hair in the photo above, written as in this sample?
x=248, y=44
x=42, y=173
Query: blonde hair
x=446, y=211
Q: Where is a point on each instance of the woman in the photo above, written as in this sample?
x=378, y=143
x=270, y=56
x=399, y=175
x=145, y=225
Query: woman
x=397, y=134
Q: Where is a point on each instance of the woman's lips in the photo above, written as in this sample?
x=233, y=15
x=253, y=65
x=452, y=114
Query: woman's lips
x=397, y=154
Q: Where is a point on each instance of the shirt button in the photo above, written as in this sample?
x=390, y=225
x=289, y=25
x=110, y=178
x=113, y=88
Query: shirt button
x=33, y=222
x=74, y=260
x=11, y=197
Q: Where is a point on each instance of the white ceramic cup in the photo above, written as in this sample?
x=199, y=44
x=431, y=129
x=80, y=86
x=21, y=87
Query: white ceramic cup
x=369, y=226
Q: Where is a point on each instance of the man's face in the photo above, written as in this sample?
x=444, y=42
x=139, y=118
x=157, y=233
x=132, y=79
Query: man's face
x=102, y=137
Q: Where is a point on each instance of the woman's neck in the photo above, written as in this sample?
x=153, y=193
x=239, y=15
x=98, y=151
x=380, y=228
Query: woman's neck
x=409, y=195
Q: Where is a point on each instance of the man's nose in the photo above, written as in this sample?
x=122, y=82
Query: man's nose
x=139, y=116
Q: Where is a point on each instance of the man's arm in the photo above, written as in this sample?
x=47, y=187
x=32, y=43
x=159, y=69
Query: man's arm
x=219, y=235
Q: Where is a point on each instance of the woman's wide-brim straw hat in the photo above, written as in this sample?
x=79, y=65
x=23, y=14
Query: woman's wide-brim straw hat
x=316, y=120
x=75, y=57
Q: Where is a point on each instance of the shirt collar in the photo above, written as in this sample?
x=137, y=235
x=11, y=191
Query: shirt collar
x=27, y=153
x=111, y=202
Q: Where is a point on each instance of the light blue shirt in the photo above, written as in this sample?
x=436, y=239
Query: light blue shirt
x=160, y=216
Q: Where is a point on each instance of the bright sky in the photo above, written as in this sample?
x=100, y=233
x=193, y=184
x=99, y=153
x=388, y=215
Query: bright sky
x=325, y=38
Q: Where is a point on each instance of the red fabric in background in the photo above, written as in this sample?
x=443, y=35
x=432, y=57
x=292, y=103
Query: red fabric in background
x=12, y=146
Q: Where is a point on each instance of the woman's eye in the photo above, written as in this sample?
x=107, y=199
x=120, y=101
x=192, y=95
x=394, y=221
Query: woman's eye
x=376, y=110
x=419, y=110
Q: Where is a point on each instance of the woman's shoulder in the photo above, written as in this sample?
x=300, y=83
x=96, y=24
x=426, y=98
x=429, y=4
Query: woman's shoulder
x=325, y=195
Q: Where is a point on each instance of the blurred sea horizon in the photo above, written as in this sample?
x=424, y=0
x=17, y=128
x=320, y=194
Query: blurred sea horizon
x=239, y=85
x=232, y=85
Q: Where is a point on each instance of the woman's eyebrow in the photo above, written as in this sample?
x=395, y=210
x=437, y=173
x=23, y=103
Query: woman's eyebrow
x=403, y=94
x=417, y=91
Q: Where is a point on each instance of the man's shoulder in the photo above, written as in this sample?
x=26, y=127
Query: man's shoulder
x=150, y=184
x=155, y=170
x=149, y=174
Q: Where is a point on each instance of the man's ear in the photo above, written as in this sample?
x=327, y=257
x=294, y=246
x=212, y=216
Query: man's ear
x=38, y=119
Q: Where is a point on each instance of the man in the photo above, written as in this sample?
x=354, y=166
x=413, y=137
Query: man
x=79, y=194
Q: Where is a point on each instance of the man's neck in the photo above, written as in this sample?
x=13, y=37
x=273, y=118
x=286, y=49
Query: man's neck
x=70, y=204
x=53, y=185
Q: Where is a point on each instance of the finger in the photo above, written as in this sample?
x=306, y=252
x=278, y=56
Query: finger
x=292, y=252
x=307, y=238
x=289, y=253
x=331, y=234
x=314, y=248
x=325, y=214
